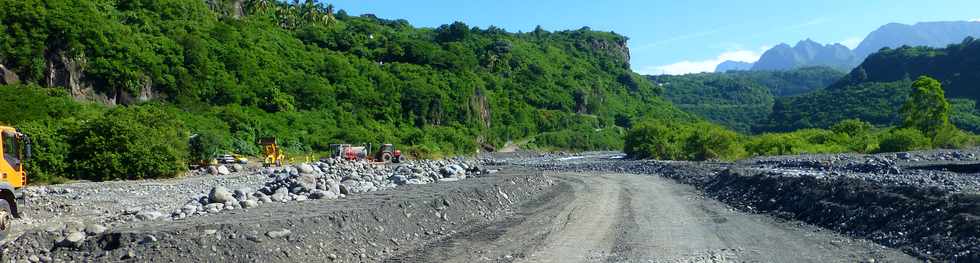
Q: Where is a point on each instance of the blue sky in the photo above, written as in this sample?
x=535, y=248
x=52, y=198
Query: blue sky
x=681, y=36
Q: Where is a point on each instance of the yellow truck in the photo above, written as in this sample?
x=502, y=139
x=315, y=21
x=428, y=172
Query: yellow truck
x=16, y=149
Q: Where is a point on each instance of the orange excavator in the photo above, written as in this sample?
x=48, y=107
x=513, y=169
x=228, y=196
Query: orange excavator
x=16, y=148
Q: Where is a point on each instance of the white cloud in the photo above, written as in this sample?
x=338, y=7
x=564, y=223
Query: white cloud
x=975, y=20
x=688, y=66
x=852, y=42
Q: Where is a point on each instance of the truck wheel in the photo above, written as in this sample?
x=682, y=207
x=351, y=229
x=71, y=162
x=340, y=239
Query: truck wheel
x=5, y=218
x=386, y=157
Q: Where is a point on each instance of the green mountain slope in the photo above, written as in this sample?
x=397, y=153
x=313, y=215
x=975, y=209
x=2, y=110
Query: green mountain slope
x=874, y=90
x=312, y=76
x=741, y=99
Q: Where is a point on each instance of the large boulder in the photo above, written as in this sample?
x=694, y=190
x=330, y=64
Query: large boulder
x=242, y=194
x=305, y=168
x=399, y=179
x=332, y=186
x=305, y=183
x=223, y=170
x=221, y=195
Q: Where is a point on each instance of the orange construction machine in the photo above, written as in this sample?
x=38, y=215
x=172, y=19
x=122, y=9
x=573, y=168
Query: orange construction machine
x=16, y=148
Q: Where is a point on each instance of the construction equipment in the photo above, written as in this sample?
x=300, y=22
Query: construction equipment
x=273, y=154
x=16, y=148
x=387, y=153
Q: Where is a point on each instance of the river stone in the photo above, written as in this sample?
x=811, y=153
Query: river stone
x=223, y=170
x=75, y=238
x=278, y=233
x=305, y=168
x=242, y=194
x=306, y=183
x=94, y=229
x=220, y=194
x=149, y=215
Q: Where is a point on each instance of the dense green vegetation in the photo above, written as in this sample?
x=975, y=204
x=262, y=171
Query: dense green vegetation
x=741, y=99
x=220, y=77
x=877, y=103
x=925, y=125
x=875, y=91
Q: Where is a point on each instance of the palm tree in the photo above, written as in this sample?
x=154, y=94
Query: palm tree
x=255, y=6
x=330, y=18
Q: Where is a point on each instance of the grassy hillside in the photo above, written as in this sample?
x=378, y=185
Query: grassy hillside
x=306, y=74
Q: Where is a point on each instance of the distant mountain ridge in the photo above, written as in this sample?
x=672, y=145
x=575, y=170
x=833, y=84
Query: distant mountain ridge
x=729, y=65
x=931, y=34
x=808, y=53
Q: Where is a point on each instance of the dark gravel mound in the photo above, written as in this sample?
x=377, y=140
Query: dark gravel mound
x=927, y=222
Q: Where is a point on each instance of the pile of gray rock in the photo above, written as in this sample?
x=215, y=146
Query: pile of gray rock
x=327, y=179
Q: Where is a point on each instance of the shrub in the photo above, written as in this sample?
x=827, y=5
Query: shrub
x=709, y=141
x=48, y=163
x=672, y=141
x=206, y=145
x=772, y=144
x=905, y=139
x=949, y=137
x=130, y=143
x=655, y=140
x=591, y=139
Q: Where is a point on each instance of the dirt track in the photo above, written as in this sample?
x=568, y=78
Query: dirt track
x=519, y=215
x=632, y=218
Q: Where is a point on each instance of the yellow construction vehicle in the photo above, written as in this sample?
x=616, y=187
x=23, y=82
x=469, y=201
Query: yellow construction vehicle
x=273, y=154
x=16, y=148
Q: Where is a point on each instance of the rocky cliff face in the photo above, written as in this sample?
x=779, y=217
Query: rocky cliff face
x=8, y=77
x=618, y=49
x=232, y=8
x=68, y=72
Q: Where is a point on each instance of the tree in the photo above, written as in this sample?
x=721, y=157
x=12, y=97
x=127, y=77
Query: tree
x=455, y=32
x=852, y=127
x=926, y=109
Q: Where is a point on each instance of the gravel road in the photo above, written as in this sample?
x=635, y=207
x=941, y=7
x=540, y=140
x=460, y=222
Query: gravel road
x=602, y=217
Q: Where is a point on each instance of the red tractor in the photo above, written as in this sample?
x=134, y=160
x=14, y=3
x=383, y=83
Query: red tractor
x=387, y=153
